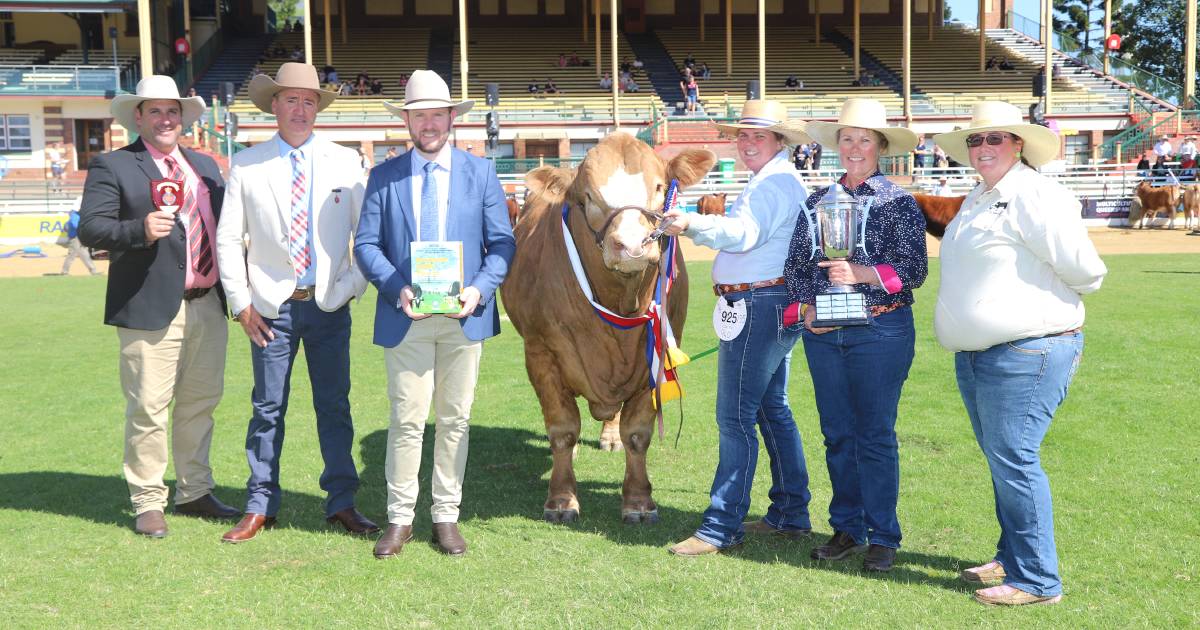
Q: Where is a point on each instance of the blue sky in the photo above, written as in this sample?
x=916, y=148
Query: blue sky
x=966, y=10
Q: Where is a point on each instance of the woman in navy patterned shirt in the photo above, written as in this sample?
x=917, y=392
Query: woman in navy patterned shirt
x=858, y=371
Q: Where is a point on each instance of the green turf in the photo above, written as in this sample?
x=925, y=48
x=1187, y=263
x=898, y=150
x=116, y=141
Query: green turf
x=1122, y=457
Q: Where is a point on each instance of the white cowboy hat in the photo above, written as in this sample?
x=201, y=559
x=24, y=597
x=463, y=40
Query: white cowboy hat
x=427, y=90
x=768, y=115
x=290, y=75
x=1040, y=143
x=155, y=87
x=865, y=113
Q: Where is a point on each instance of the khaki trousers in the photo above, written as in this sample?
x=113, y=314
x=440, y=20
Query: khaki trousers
x=435, y=364
x=184, y=362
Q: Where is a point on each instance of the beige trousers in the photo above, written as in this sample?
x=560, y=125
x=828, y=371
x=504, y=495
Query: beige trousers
x=184, y=362
x=437, y=364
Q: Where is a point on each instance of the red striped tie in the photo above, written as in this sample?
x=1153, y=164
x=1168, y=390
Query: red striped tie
x=299, y=233
x=199, y=248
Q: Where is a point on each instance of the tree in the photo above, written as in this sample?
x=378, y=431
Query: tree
x=1153, y=35
x=284, y=10
x=1074, y=18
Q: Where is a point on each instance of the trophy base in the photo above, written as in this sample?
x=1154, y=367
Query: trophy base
x=840, y=309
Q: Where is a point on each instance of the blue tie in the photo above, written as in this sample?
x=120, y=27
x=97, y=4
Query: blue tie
x=429, y=205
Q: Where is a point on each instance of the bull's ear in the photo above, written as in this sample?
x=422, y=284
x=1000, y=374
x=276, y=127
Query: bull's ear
x=690, y=166
x=549, y=183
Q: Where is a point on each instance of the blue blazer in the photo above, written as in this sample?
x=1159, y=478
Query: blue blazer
x=477, y=216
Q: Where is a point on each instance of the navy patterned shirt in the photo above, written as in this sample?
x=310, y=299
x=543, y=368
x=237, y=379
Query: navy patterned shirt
x=894, y=246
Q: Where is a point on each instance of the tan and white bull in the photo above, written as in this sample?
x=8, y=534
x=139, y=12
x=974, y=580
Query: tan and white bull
x=569, y=351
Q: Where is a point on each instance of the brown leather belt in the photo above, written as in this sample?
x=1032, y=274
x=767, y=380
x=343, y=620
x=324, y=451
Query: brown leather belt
x=722, y=289
x=880, y=309
x=302, y=294
x=195, y=294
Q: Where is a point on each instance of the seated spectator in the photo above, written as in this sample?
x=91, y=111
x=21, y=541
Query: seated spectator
x=297, y=54
x=533, y=87
x=562, y=60
x=297, y=26
x=992, y=63
x=631, y=86
x=689, y=61
x=1005, y=64
x=550, y=88
x=377, y=87
x=637, y=64
x=346, y=89
x=792, y=83
x=1143, y=166
x=403, y=80
x=705, y=73
x=626, y=66
x=606, y=82
x=574, y=61
x=331, y=74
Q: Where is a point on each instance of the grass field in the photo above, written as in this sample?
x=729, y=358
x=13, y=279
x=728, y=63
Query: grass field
x=1122, y=456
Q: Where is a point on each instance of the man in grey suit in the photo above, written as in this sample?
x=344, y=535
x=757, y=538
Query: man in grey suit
x=164, y=297
x=432, y=193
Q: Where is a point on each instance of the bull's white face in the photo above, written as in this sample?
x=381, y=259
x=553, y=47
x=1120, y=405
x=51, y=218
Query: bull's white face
x=611, y=183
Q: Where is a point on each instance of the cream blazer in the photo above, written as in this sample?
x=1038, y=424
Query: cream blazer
x=252, y=235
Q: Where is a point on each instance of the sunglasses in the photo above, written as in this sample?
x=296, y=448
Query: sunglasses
x=994, y=139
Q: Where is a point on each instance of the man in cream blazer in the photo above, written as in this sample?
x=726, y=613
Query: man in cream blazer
x=284, y=244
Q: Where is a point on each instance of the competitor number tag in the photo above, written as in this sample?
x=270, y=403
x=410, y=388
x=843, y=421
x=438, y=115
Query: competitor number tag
x=729, y=319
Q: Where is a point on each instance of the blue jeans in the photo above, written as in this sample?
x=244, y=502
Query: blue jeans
x=326, y=338
x=752, y=375
x=857, y=374
x=1011, y=391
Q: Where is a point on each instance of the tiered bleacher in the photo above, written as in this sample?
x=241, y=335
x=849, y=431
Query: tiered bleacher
x=825, y=70
x=514, y=58
x=946, y=70
x=96, y=57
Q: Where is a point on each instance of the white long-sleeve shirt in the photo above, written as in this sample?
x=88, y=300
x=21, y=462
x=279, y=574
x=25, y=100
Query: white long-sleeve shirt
x=753, y=239
x=1014, y=262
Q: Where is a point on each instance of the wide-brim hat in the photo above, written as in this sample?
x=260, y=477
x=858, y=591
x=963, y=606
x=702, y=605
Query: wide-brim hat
x=768, y=116
x=291, y=75
x=1040, y=143
x=152, y=88
x=864, y=113
x=427, y=90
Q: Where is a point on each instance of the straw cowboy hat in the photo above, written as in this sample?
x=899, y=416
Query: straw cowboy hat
x=1040, y=143
x=427, y=90
x=768, y=115
x=865, y=113
x=290, y=75
x=155, y=87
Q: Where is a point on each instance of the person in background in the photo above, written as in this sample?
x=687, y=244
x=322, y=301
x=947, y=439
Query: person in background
x=75, y=249
x=1014, y=262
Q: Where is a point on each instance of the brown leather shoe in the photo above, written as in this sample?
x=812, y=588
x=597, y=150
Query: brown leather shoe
x=151, y=523
x=248, y=527
x=392, y=541
x=207, y=506
x=448, y=539
x=354, y=522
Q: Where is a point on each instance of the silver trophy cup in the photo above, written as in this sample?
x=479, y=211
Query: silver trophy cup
x=837, y=226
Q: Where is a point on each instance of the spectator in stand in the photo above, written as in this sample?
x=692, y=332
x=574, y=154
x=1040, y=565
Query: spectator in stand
x=562, y=60
x=992, y=63
x=637, y=64
x=346, y=89
x=943, y=188
x=1143, y=166
x=690, y=89
x=297, y=54
x=632, y=86
x=800, y=156
x=815, y=163
x=550, y=87
x=391, y=153
x=1188, y=148
x=919, y=153
x=606, y=82
x=1006, y=65
x=940, y=159
x=1163, y=148
x=705, y=73
x=403, y=80
x=533, y=87
x=331, y=75
x=792, y=83
x=689, y=61
x=377, y=87
x=574, y=60
x=55, y=157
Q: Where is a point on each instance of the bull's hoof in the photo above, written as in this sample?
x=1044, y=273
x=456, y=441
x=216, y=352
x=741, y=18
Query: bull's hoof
x=611, y=444
x=640, y=518
x=560, y=516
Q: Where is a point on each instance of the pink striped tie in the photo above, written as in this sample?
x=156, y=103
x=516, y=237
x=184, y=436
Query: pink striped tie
x=299, y=232
x=199, y=248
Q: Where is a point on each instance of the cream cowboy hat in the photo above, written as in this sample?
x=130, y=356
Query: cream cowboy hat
x=865, y=113
x=155, y=87
x=290, y=75
x=768, y=115
x=1040, y=143
x=427, y=90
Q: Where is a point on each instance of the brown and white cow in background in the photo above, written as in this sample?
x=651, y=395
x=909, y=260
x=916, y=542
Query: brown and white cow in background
x=713, y=204
x=569, y=351
x=1191, y=207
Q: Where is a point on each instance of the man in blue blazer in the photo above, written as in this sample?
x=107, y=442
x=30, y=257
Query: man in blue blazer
x=431, y=193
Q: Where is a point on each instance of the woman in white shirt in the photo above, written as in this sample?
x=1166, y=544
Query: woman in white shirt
x=755, y=350
x=1014, y=262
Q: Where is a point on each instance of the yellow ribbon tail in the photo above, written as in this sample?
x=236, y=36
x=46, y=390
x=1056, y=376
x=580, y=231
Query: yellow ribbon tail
x=676, y=357
x=671, y=390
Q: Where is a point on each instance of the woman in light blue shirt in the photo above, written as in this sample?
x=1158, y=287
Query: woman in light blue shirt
x=755, y=351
